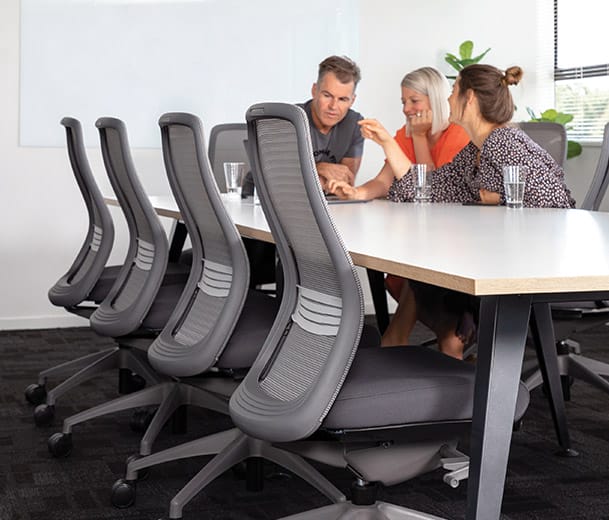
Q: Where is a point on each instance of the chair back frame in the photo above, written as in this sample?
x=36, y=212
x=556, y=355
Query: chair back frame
x=216, y=290
x=309, y=351
x=137, y=284
x=77, y=283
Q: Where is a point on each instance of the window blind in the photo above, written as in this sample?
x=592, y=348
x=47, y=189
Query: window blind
x=581, y=71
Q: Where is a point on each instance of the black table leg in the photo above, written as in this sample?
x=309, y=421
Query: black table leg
x=502, y=335
x=542, y=330
x=177, y=241
x=376, y=279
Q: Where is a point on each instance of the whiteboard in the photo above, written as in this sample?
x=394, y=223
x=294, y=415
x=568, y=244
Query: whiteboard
x=136, y=59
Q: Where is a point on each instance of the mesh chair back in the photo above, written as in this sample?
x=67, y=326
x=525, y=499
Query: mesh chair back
x=138, y=281
x=552, y=137
x=215, y=293
x=295, y=379
x=76, y=284
x=226, y=145
x=600, y=181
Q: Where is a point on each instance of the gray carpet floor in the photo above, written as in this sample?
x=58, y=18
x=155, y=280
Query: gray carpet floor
x=36, y=486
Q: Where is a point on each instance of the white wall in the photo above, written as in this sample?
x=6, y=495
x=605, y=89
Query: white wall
x=42, y=219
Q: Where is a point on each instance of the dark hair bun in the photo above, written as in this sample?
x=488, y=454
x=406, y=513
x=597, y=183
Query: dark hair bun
x=513, y=75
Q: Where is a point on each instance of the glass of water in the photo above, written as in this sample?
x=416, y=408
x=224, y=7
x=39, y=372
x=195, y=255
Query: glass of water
x=514, y=178
x=233, y=174
x=421, y=179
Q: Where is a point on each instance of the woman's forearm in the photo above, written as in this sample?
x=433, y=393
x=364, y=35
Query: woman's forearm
x=400, y=164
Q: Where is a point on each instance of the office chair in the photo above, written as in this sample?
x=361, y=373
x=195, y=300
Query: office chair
x=571, y=363
x=552, y=137
x=288, y=394
x=390, y=412
x=218, y=325
x=87, y=281
x=145, y=290
x=226, y=145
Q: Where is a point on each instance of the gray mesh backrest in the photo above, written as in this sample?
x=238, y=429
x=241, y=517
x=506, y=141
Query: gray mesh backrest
x=214, y=295
x=138, y=282
x=76, y=284
x=226, y=145
x=552, y=137
x=600, y=181
x=302, y=366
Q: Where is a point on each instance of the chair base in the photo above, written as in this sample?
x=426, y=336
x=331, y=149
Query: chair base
x=231, y=447
x=349, y=511
x=573, y=364
x=169, y=396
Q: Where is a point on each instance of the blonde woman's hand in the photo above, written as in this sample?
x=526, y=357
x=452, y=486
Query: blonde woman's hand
x=342, y=189
x=372, y=129
x=419, y=123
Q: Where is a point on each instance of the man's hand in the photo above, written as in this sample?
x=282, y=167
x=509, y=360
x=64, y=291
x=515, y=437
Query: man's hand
x=334, y=172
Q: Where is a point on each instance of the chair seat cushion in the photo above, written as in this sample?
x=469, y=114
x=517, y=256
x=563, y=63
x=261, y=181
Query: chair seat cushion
x=250, y=332
x=104, y=283
x=410, y=384
x=162, y=307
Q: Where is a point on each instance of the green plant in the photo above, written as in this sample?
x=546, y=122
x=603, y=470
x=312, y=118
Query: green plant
x=466, y=50
x=554, y=116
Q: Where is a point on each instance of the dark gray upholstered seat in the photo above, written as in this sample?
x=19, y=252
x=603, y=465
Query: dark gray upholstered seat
x=87, y=282
x=141, y=299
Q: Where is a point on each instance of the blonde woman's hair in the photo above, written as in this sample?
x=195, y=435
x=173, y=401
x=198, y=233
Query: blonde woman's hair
x=431, y=83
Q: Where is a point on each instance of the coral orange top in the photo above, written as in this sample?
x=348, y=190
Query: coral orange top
x=452, y=140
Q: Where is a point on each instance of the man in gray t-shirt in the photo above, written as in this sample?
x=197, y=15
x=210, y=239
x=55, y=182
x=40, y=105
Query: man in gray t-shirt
x=337, y=141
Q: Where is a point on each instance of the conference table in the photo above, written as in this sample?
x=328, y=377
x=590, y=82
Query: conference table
x=515, y=260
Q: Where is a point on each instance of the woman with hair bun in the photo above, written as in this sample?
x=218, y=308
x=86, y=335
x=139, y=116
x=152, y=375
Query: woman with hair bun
x=482, y=105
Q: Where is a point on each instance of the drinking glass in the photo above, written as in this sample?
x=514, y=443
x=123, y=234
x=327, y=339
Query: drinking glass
x=514, y=178
x=421, y=180
x=233, y=174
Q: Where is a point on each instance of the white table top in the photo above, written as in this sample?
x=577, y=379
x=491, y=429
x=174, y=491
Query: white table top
x=507, y=255
x=532, y=250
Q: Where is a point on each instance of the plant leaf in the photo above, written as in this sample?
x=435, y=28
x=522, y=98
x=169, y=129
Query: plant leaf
x=467, y=61
x=549, y=115
x=465, y=49
x=480, y=56
x=453, y=61
x=563, y=119
x=573, y=149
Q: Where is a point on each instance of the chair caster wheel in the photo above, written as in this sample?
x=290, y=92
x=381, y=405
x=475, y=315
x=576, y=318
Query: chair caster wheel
x=44, y=414
x=143, y=473
x=60, y=444
x=35, y=394
x=141, y=419
x=123, y=493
